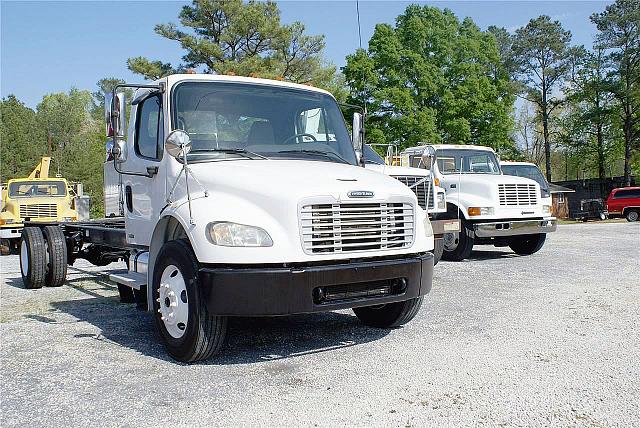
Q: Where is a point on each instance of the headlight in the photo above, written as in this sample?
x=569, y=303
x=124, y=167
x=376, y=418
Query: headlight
x=441, y=203
x=473, y=211
x=238, y=235
x=67, y=218
x=546, y=209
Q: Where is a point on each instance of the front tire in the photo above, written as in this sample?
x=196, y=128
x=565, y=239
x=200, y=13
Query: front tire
x=526, y=245
x=187, y=329
x=33, y=253
x=632, y=215
x=389, y=315
x=458, y=245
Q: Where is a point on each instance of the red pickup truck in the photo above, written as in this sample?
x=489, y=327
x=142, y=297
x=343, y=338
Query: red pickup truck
x=625, y=201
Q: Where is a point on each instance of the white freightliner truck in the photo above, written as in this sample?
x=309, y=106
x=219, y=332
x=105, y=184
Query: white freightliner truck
x=495, y=209
x=431, y=197
x=243, y=197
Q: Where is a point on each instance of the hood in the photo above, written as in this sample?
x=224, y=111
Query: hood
x=297, y=179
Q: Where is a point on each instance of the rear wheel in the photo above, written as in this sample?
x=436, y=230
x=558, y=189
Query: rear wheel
x=438, y=248
x=33, y=263
x=187, y=329
x=527, y=244
x=389, y=315
x=56, y=245
x=458, y=245
x=632, y=215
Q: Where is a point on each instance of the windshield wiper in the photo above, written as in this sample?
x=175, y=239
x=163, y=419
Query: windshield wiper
x=318, y=152
x=238, y=151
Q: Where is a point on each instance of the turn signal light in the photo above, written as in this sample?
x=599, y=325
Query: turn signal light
x=473, y=211
x=436, y=181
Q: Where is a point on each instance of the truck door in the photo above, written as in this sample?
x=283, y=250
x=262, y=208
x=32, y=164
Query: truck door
x=144, y=197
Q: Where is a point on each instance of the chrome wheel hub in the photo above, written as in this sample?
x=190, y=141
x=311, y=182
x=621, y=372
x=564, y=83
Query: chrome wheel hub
x=173, y=301
x=24, y=258
x=451, y=240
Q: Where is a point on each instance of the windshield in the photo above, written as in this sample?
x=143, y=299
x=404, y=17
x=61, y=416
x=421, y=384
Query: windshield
x=24, y=189
x=239, y=121
x=453, y=161
x=526, y=171
x=371, y=156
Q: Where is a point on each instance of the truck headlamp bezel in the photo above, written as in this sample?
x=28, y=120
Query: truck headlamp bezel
x=477, y=211
x=440, y=201
x=229, y=234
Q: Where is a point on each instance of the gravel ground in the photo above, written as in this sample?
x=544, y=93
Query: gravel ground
x=551, y=339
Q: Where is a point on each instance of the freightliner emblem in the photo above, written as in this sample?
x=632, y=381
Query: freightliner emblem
x=360, y=194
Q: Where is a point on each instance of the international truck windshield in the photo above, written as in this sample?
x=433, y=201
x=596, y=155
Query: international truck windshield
x=26, y=189
x=227, y=122
x=452, y=161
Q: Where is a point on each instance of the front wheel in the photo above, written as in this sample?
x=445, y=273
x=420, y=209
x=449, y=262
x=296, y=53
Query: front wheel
x=632, y=215
x=527, y=244
x=458, y=245
x=187, y=329
x=389, y=315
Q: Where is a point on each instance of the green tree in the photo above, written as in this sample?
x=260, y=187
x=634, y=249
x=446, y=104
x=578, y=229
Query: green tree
x=590, y=93
x=619, y=33
x=20, y=145
x=76, y=138
x=432, y=78
x=541, y=51
x=246, y=39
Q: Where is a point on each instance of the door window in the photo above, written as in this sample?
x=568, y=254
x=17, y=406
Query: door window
x=149, y=130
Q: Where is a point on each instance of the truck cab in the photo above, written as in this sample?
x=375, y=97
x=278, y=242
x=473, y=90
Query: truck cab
x=246, y=197
x=36, y=198
x=431, y=197
x=494, y=208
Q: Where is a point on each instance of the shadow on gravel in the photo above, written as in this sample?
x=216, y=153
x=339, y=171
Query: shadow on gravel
x=249, y=340
x=491, y=255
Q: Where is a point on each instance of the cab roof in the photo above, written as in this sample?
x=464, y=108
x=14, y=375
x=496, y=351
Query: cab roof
x=448, y=146
x=173, y=79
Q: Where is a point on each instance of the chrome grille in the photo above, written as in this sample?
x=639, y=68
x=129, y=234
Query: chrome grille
x=38, y=210
x=350, y=227
x=517, y=194
x=421, y=190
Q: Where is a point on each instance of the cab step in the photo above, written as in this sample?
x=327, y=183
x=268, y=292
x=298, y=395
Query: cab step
x=134, y=280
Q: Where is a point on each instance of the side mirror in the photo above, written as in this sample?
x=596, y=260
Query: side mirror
x=178, y=143
x=357, y=135
x=119, y=150
x=115, y=115
x=428, y=156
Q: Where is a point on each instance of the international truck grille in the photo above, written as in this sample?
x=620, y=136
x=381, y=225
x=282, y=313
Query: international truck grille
x=517, y=194
x=421, y=190
x=351, y=227
x=38, y=210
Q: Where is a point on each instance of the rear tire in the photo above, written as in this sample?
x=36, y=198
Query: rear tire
x=389, y=315
x=526, y=245
x=458, y=245
x=438, y=248
x=56, y=256
x=187, y=329
x=632, y=215
x=33, y=253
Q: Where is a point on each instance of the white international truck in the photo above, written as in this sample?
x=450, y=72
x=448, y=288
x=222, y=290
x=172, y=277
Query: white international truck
x=431, y=197
x=243, y=197
x=495, y=209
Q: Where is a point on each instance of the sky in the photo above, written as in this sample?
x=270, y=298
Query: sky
x=52, y=46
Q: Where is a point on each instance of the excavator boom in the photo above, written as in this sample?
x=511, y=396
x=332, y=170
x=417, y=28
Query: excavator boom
x=42, y=169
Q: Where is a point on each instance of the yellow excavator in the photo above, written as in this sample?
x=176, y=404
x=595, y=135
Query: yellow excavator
x=36, y=198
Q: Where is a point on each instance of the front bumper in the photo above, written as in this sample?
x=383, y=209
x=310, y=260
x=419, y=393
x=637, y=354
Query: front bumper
x=515, y=227
x=440, y=227
x=10, y=231
x=319, y=288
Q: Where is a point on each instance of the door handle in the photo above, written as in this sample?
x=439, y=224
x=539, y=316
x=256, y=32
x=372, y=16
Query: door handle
x=128, y=195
